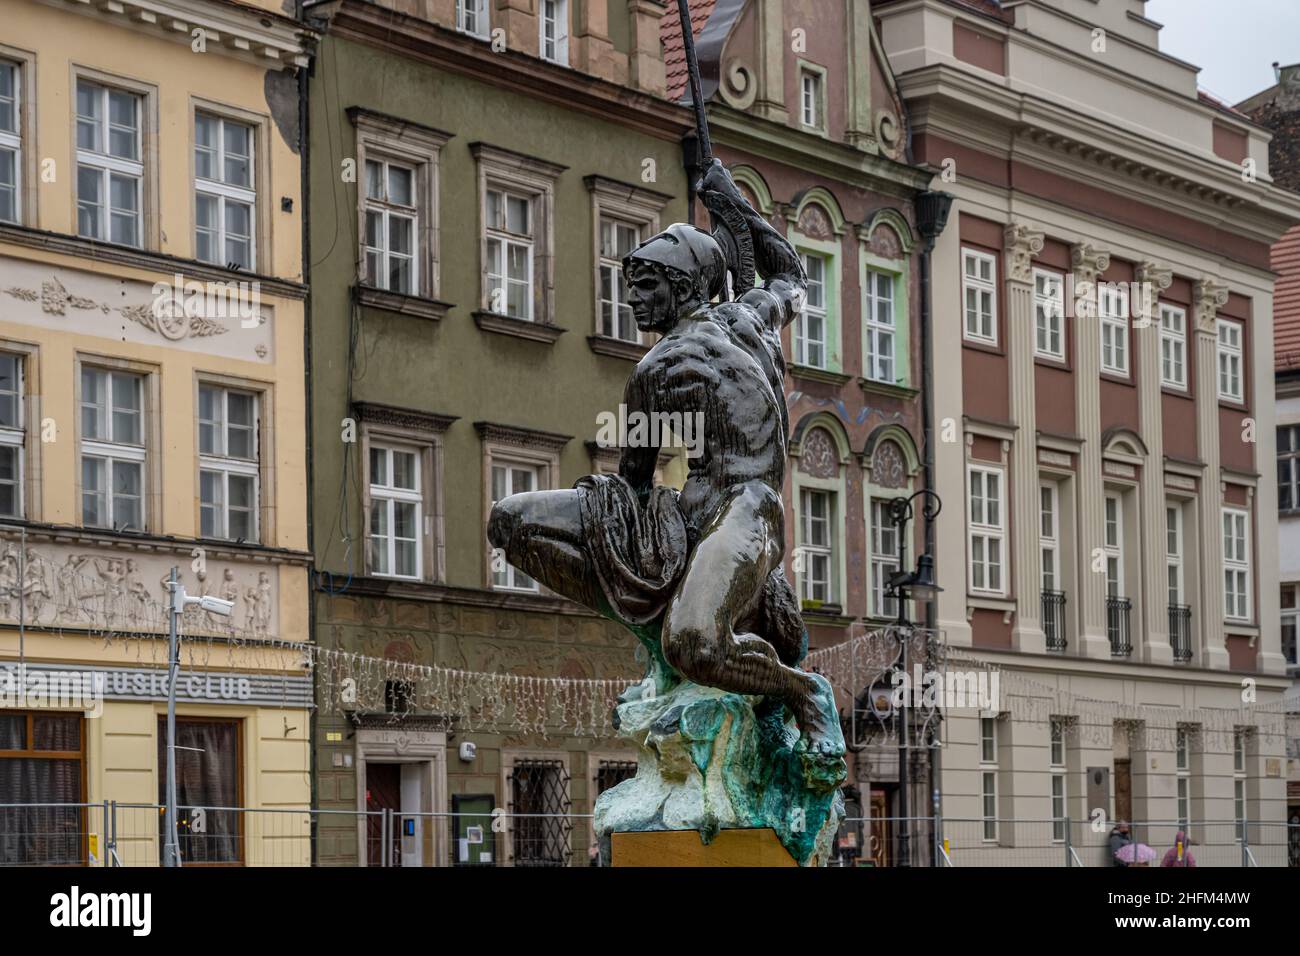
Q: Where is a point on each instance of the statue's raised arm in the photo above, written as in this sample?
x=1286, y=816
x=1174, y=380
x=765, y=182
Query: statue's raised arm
x=743, y=233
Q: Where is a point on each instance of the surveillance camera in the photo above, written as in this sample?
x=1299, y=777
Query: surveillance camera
x=216, y=605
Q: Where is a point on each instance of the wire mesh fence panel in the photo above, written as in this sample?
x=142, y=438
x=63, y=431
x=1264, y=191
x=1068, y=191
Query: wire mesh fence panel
x=50, y=834
x=997, y=841
x=519, y=839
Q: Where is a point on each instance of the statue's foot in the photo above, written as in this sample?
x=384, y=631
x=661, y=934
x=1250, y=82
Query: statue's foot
x=819, y=722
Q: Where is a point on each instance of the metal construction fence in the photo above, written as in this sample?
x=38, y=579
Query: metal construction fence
x=130, y=834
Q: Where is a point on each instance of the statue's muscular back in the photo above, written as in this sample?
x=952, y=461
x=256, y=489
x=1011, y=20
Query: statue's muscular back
x=726, y=362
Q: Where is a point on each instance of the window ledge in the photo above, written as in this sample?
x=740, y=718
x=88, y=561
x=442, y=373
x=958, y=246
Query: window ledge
x=1240, y=629
x=519, y=328
x=825, y=614
x=990, y=603
x=617, y=348
x=815, y=374
x=872, y=387
x=401, y=304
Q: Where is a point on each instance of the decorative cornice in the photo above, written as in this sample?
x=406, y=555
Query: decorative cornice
x=627, y=192
x=519, y=328
x=512, y=159
x=1208, y=297
x=819, y=374
x=413, y=305
x=1088, y=261
x=377, y=413
x=147, y=543
x=521, y=437
x=395, y=127
x=1021, y=243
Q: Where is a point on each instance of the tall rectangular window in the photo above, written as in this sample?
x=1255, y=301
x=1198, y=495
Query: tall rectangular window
x=987, y=529
x=472, y=17
x=228, y=463
x=1230, y=379
x=512, y=478
x=110, y=170
x=1288, y=467
x=42, y=757
x=1183, y=777
x=816, y=516
x=1049, y=315
x=1173, y=347
x=208, y=775
x=553, y=28
x=112, y=449
x=510, y=253
x=880, y=329
x=1112, y=310
x=1113, y=545
x=13, y=435
x=11, y=142
x=980, y=296
x=1236, y=564
x=617, y=239
x=1049, y=536
x=811, y=327
x=884, y=558
x=1239, y=782
x=396, y=511
x=225, y=196
x=1290, y=625
x=392, y=224
x=810, y=99
x=1056, y=764
x=989, y=777
x=1174, y=552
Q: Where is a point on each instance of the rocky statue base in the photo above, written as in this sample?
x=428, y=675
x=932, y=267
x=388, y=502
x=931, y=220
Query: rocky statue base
x=710, y=761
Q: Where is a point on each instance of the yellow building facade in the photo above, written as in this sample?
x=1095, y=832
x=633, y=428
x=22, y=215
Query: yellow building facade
x=152, y=414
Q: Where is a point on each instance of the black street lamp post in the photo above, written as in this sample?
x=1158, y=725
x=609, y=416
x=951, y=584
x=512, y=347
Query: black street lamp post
x=918, y=585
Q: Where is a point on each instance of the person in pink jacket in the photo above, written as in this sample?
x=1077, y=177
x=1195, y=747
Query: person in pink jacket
x=1179, y=855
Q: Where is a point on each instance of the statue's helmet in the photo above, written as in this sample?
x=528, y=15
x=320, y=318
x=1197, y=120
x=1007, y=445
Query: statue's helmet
x=690, y=251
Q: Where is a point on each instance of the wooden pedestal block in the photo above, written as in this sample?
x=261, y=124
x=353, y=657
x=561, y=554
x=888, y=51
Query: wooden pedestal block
x=757, y=847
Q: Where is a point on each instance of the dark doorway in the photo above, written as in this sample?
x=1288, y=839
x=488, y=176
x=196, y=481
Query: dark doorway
x=383, y=792
x=1123, y=791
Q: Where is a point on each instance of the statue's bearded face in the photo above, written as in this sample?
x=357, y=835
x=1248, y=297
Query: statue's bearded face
x=653, y=295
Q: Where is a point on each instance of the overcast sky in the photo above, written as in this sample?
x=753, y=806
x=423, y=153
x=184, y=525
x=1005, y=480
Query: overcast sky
x=1234, y=42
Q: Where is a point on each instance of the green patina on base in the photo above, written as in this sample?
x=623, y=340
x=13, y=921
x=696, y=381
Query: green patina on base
x=712, y=760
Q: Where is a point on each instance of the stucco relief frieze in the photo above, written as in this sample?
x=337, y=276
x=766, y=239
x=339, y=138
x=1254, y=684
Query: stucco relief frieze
x=73, y=586
x=226, y=319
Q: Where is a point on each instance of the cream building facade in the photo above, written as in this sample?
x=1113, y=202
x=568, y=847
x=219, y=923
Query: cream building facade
x=153, y=392
x=1116, y=495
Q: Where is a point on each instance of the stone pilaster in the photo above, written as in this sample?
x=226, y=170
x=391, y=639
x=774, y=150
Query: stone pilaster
x=773, y=42
x=1155, y=647
x=1020, y=244
x=646, y=61
x=860, y=127
x=1210, y=296
x=1088, y=263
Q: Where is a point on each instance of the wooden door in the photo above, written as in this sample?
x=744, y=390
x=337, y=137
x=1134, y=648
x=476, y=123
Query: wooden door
x=383, y=792
x=1123, y=791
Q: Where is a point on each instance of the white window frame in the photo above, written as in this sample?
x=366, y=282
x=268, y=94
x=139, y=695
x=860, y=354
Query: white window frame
x=106, y=165
x=982, y=530
x=988, y=762
x=812, y=98
x=1230, y=361
x=11, y=141
x=1290, y=614
x=386, y=210
x=15, y=436
x=884, y=558
x=1236, y=564
x=509, y=578
x=1112, y=314
x=1049, y=315
x=1049, y=535
x=557, y=19
x=1113, y=548
x=810, y=551
x=1290, y=457
x=982, y=288
x=1174, y=552
x=110, y=451
x=1173, y=347
x=1183, y=777
x=388, y=496
x=506, y=241
x=878, y=367
x=1057, y=768
x=1239, y=774
x=610, y=269
x=803, y=342
x=223, y=464
x=472, y=18
x=224, y=192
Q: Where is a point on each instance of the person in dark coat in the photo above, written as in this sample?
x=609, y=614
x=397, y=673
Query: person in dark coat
x=1119, y=838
